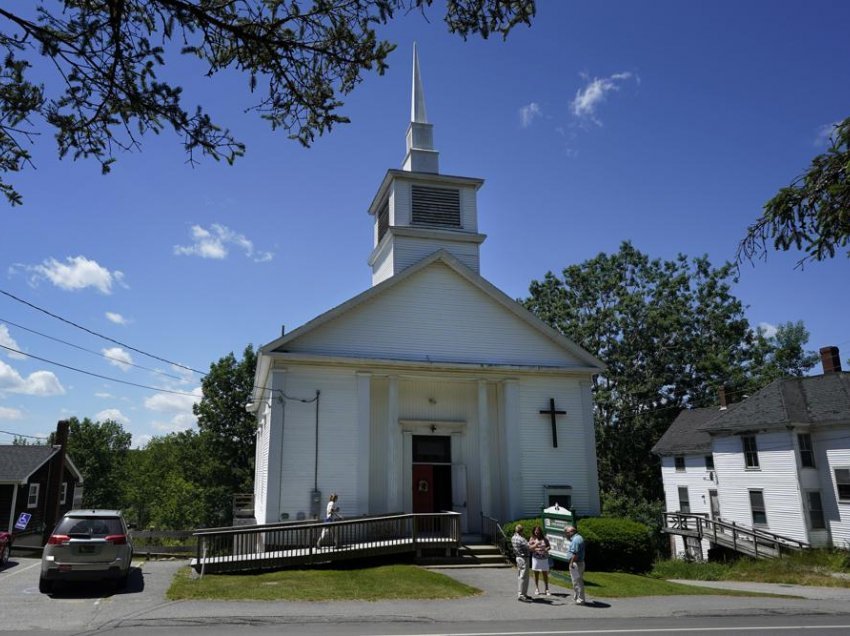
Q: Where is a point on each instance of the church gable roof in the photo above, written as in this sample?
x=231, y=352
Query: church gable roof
x=437, y=310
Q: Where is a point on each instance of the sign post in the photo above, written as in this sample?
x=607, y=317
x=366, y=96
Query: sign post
x=555, y=519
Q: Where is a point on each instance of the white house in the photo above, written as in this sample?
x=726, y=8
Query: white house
x=431, y=390
x=778, y=461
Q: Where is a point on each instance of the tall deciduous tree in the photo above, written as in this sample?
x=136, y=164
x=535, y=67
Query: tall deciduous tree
x=99, y=450
x=813, y=213
x=670, y=333
x=227, y=431
x=299, y=58
x=781, y=354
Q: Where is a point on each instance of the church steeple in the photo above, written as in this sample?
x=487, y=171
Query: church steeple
x=421, y=156
x=418, y=211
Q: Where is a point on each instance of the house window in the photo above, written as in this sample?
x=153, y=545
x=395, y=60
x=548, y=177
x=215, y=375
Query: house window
x=63, y=493
x=32, y=498
x=807, y=453
x=757, y=508
x=679, y=462
x=842, y=482
x=709, y=462
x=684, y=502
x=751, y=451
x=816, y=518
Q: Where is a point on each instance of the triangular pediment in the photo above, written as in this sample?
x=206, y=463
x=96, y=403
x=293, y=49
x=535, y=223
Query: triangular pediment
x=435, y=311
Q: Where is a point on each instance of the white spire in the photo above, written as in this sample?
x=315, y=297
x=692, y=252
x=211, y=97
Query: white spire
x=417, y=98
x=421, y=156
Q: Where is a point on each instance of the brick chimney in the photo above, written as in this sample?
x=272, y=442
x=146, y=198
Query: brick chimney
x=721, y=396
x=830, y=359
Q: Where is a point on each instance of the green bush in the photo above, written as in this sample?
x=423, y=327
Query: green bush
x=527, y=525
x=613, y=544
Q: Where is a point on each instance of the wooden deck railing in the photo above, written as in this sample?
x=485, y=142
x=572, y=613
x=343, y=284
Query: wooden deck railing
x=272, y=546
x=753, y=541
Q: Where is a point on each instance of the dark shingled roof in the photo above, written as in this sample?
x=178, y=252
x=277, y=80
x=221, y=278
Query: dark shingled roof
x=17, y=463
x=810, y=401
x=684, y=436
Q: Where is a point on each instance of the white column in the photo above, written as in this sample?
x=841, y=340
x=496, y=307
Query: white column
x=586, y=421
x=274, y=493
x=361, y=458
x=511, y=450
x=394, y=472
x=485, y=431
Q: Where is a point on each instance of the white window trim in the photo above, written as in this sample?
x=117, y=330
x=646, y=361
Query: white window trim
x=33, y=492
x=837, y=491
x=63, y=493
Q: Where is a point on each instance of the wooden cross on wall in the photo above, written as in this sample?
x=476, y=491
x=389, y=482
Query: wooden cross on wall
x=553, y=413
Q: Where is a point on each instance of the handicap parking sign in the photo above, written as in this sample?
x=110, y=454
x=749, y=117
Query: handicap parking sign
x=23, y=520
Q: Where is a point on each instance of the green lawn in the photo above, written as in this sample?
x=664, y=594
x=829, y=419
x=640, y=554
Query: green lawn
x=368, y=584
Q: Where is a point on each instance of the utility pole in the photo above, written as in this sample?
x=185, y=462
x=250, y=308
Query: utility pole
x=54, y=483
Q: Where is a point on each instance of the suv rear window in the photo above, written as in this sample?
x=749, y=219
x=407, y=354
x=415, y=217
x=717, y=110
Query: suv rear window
x=90, y=526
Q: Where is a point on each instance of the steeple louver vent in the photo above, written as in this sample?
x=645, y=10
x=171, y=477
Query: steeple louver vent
x=383, y=220
x=439, y=207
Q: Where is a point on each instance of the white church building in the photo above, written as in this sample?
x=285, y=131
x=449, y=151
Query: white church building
x=432, y=390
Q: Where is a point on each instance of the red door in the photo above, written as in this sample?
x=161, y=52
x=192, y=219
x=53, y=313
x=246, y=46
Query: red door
x=423, y=488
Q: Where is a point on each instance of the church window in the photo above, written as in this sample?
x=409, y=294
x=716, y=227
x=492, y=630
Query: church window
x=438, y=207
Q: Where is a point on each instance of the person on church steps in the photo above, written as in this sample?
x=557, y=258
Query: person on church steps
x=331, y=514
x=539, y=546
x=522, y=553
x=575, y=552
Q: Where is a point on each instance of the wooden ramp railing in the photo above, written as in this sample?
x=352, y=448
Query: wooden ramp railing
x=751, y=541
x=273, y=546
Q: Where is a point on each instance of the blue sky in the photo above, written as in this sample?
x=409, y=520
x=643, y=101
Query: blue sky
x=665, y=123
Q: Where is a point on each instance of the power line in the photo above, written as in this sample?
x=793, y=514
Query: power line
x=99, y=335
x=97, y=375
x=102, y=355
x=22, y=435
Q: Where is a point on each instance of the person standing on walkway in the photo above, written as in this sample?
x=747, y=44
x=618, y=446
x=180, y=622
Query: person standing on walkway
x=539, y=546
x=522, y=553
x=331, y=514
x=575, y=553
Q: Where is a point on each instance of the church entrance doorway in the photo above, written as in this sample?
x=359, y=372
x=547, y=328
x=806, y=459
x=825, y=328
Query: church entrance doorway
x=432, y=473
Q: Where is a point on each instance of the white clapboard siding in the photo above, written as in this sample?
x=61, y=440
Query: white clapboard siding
x=776, y=477
x=834, y=446
x=699, y=481
x=541, y=463
x=435, y=315
x=409, y=250
x=337, y=441
x=261, y=469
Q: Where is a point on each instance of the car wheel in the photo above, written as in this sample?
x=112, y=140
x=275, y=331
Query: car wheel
x=4, y=555
x=45, y=586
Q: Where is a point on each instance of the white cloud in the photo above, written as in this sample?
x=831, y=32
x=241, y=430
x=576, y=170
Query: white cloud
x=215, y=241
x=104, y=396
x=527, y=114
x=76, y=273
x=178, y=407
x=118, y=319
x=112, y=414
x=588, y=98
x=7, y=340
x=40, y=383
x=10, y=414
x=768, y=330
x=176, y=424
x=823, y=138
x=118, y=357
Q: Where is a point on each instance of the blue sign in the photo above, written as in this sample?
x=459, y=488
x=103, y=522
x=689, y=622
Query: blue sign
x=23, y=520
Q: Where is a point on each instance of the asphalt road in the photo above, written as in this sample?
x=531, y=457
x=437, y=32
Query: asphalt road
x=141, y=609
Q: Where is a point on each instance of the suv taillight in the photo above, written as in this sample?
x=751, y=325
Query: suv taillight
x=117, y=539
x=58, y=539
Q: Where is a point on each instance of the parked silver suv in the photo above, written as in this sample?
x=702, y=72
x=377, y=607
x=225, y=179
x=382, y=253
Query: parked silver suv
x=87, y=545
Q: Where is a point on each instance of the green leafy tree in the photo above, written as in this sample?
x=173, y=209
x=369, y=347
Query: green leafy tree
x=670, y=333
x=813, y=213
x=99, y=450
x=163, y=489
x=781, y=355
x=298, y=59
x=227, y=432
